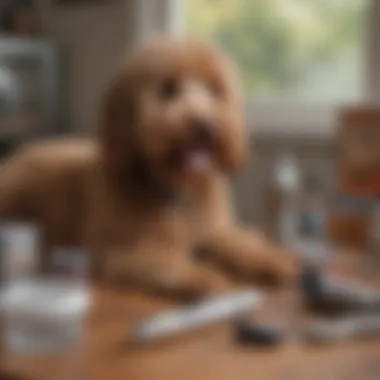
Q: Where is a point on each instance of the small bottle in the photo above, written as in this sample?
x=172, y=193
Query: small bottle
x=287, y=181
x=312, y=213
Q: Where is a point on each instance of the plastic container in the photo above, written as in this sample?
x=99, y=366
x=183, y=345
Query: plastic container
x=43, y=315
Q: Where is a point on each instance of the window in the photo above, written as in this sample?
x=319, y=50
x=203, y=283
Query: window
x=304, y=49
x=300, y=60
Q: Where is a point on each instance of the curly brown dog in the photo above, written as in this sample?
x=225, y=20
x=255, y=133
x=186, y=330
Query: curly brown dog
x=153, y=187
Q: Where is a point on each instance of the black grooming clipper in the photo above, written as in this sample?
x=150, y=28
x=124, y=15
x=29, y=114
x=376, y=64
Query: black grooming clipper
x=328, y=294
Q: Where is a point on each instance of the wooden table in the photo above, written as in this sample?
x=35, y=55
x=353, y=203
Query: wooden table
x=210, y=354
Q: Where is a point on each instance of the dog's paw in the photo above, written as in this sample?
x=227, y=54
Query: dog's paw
x=211, y=282
x=280, y=269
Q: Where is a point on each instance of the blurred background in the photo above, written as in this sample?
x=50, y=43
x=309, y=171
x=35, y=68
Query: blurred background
x=301, y=63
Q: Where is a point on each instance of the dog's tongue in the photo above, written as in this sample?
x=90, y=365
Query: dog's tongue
x=199, y=160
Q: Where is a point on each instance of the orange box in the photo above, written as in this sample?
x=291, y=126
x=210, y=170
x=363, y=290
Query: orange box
x=359, y=152
x=349, y=230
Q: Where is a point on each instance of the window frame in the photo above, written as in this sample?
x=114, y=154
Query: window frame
x=277, y=117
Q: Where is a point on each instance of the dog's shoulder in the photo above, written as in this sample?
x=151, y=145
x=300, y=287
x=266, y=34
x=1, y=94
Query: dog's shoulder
x=51, y=164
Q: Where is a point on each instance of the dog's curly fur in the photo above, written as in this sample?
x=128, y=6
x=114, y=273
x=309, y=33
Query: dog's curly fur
x=153, y=186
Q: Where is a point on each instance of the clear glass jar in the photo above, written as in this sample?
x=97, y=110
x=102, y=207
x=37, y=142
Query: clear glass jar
x=19, y=251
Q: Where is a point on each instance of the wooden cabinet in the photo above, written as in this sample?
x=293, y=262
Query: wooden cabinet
x=359, y=156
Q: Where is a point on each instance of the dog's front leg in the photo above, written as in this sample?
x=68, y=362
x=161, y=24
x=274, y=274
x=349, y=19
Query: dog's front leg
x=165, y=271
x=251, y=256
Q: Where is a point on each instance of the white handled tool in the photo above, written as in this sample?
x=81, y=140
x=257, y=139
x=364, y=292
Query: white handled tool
x=167, y=324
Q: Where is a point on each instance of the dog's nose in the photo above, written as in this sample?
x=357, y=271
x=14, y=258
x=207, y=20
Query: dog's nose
x=202, y=128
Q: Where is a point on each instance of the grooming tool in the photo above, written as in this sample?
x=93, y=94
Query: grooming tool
x=253, y=332
x=328, y=293
x=181, y=320
x=356, y=326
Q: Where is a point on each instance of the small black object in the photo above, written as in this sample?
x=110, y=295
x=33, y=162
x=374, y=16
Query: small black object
x=252, y=332
x=313, y=290
x=311, y=283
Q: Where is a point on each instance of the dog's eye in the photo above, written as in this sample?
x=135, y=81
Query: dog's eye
x=169, y=89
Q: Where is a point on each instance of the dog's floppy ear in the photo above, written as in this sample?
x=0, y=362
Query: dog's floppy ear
x=117, y=122
x=239, y=152
x=238, y=149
